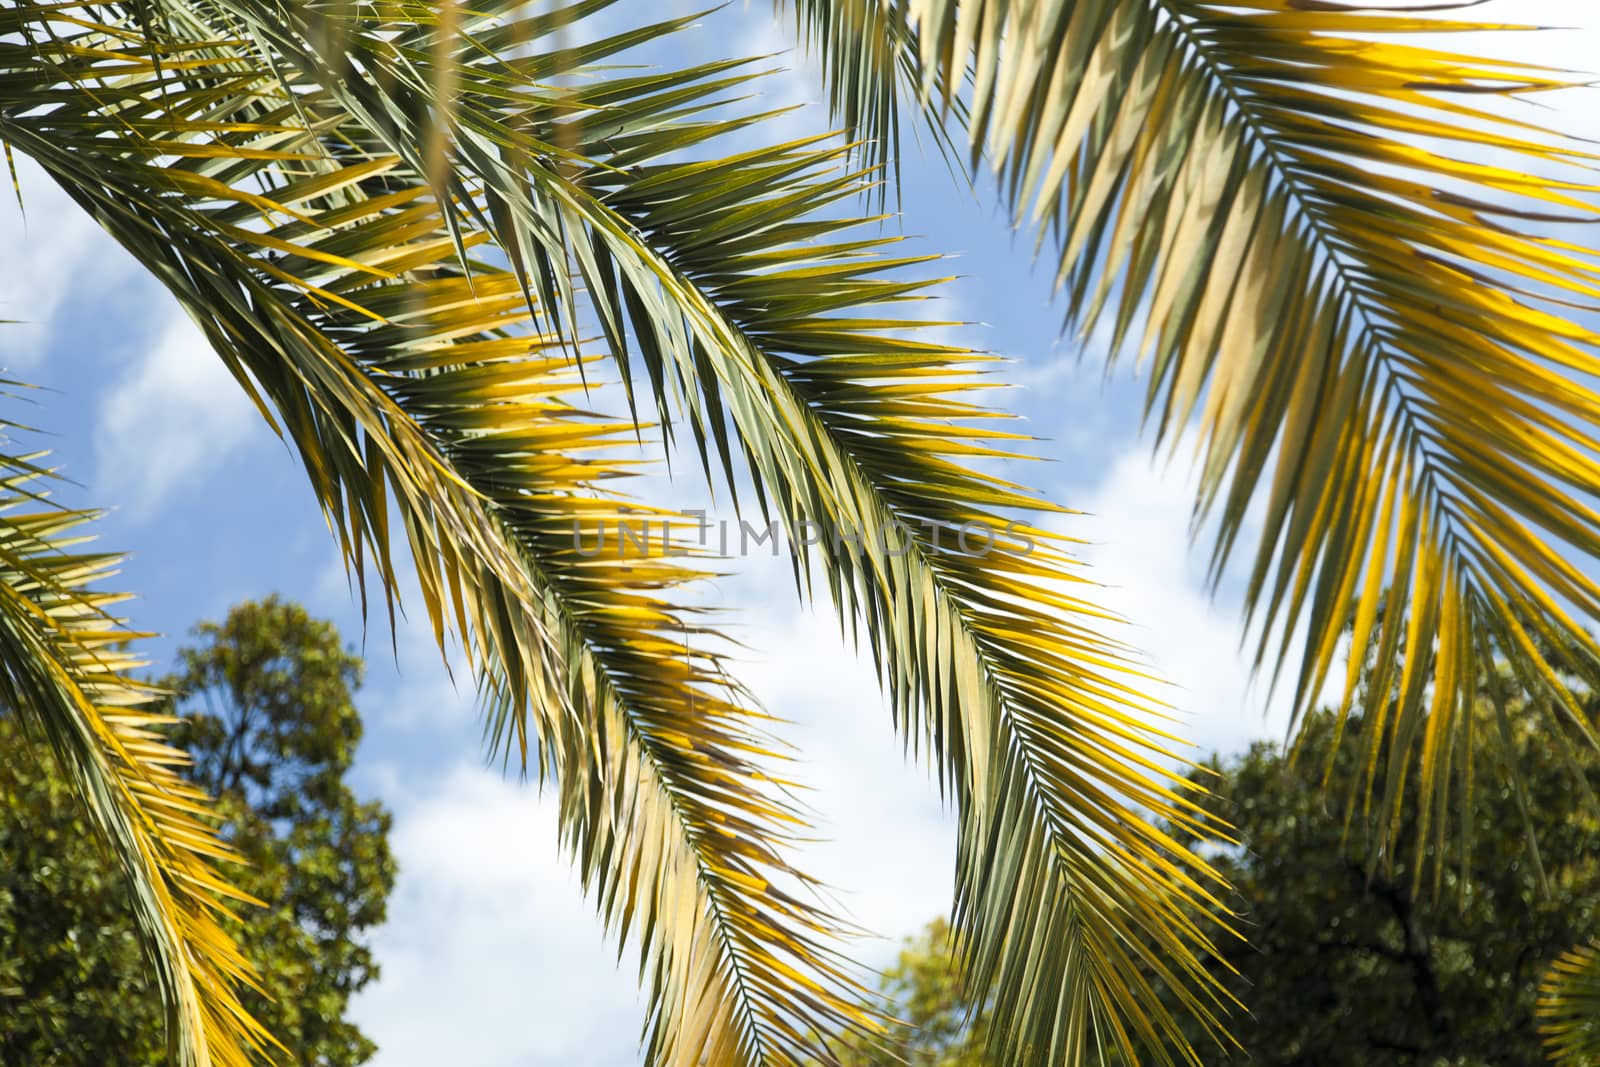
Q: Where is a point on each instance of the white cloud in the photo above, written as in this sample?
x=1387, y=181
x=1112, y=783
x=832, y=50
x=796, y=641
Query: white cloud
x=174, y=419
x=795, y=82
x=53, y=251
x=490, y=956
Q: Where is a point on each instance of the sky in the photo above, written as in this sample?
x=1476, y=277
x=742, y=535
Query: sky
x=491, y=956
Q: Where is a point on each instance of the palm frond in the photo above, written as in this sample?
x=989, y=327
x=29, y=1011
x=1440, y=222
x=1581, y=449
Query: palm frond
x=329, y=280
x=1350, y=273
x=66, y=674
x=752, y=312
x=670, y=805
x=1569, y=1007
x=995, y=660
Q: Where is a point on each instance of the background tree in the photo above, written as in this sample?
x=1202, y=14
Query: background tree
x=924, y=994
x=266, y=709
x=1429, y=954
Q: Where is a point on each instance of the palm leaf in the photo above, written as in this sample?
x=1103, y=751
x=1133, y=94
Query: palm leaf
x=1351, y=276
x=66, y=674
x=427, y=393
x=1067, y=902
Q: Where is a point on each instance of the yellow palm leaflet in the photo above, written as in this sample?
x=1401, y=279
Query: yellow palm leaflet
x=1569, y=1004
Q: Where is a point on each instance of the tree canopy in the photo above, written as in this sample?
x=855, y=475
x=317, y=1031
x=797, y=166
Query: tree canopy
x=1430, y=952
x=265, y=701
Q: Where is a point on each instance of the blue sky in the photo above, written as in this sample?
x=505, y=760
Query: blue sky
x=491, y=957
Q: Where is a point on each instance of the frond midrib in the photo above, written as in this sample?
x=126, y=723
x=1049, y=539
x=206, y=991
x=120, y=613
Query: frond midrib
x=1348, y=293
x=607, y=674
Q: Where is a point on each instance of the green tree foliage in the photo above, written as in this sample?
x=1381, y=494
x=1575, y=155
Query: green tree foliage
x=266, y=710
x=1422, y=956
x=73, y=979
x=1429, y=954
x=924, y=994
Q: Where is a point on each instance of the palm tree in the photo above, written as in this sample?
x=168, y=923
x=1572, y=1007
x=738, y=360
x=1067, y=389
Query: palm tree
x=398, y=222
